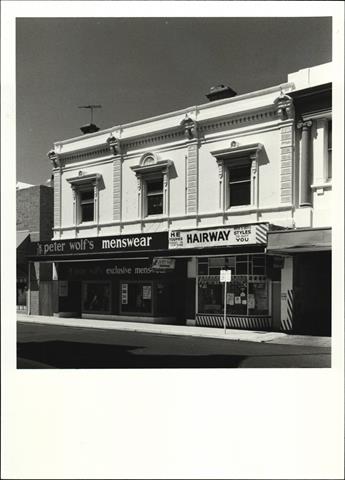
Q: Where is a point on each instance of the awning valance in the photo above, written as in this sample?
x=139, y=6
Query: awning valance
x=299, y=240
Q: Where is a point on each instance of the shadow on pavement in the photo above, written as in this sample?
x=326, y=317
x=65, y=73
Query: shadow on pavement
x=60, y=354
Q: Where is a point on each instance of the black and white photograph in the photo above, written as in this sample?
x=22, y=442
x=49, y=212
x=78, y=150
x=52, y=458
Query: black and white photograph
x=178, y=207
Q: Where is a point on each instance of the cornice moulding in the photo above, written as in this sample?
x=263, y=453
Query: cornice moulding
x=192, y=111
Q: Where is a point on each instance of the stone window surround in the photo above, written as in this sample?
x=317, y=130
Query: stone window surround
x=150, y=167
x=81, y=182
x=232, y=156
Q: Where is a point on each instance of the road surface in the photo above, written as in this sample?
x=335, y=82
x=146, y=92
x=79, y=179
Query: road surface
x=51, y=346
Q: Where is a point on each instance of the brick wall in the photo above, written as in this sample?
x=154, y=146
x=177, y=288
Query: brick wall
x=35, y=211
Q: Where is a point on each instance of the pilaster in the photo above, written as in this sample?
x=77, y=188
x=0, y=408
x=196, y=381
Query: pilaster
x=305, y=191
x=192, y=167
x=286, y=163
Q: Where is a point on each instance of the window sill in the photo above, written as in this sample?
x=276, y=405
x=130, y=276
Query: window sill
x=86, y=224
x=321, y=187
x=242, y=209
x=159, y=216
x=327, y=184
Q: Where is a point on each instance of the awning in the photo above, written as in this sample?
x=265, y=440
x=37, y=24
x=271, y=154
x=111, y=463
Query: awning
x=21, y=236
x=299, y=240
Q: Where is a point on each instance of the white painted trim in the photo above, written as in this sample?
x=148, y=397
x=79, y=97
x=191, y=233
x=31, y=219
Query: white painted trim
x=288, y=86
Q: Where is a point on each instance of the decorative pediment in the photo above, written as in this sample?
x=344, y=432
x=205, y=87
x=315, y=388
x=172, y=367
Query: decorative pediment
x=149, y=163
x=85, y=179
x=236, y=151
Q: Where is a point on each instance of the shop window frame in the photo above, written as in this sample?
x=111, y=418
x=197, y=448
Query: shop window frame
x=133, y=313
x=251, y=278
x=83, y=296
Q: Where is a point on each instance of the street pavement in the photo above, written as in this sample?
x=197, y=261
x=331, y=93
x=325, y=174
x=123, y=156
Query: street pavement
x=57, y=346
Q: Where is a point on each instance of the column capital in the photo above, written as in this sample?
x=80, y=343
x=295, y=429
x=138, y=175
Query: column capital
x=304, y=125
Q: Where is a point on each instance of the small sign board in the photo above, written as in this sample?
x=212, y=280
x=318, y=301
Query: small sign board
x=147, y=292
x=225, y=276
x=161, y=263
x=124, y=294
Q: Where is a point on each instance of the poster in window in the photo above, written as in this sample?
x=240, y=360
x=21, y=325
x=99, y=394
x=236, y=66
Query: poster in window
x=237, y=300
x=230, y=298
x=124, y=294
x=147, y=292
x=251, y=300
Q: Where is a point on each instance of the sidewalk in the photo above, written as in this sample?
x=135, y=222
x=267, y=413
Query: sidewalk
x=183, y=330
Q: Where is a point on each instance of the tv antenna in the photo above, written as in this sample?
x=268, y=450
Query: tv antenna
x=91, y=107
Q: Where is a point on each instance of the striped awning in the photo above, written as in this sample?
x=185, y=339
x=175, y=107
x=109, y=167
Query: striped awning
x=299, y=240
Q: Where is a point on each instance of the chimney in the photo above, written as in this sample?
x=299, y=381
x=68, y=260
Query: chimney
x=89, y=128
x=220, y=91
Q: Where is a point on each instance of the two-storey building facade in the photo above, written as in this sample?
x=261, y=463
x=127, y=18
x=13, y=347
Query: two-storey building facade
x=146, y=214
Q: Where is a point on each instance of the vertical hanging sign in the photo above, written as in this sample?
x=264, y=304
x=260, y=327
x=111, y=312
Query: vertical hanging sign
x=124, y=293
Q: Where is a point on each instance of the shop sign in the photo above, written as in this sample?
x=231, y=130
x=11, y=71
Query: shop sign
x=218, y=237
x=160, y=263
x=109, y=269
x=120, y=243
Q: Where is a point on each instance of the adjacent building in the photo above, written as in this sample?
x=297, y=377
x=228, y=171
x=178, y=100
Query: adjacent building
x=34, y=223
x=147, y=214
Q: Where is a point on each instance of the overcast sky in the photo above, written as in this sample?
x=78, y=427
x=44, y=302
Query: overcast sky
x=141, y=67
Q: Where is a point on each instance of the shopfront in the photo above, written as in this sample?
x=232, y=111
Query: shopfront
x=306, y=296
x=129, y=289
x=120, y=277
x=240, y=249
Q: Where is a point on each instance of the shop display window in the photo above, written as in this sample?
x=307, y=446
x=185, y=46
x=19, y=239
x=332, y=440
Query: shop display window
x=247, y=293
x=21, y=292
x=96, y=297
x=136, y=297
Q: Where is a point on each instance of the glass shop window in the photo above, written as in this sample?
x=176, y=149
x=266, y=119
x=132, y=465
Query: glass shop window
x=136, y=297
x=239, y=185
x=258, y=265
x=258, y=298
x=96, y=297
x=22, y=289
x=87, y=205
x=203, y=266
x=242, y=265
x=154, y=196
x=210, y=298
